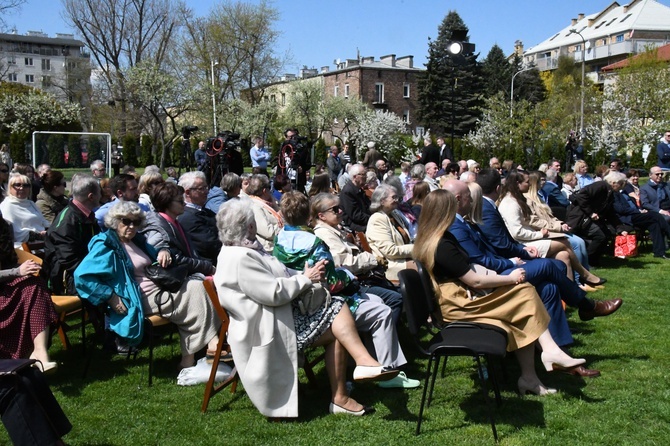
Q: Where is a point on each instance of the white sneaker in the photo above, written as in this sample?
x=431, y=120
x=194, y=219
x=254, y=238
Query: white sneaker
x=401, y=381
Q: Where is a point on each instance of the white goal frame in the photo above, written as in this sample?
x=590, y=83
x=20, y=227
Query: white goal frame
x=108, y=160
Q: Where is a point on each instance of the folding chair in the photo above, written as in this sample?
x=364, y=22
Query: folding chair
x=210, y=389
x=151, y=324
x=455, y=339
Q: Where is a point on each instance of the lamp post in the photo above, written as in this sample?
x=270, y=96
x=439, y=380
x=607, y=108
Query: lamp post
x=511, y=94
x=581, y=111
x=214, y=97
x=457, y=46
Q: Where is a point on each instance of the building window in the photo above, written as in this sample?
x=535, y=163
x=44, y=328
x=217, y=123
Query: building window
x=283, y=99
x=619, y=38
x=273, y=98
x=405, y=90
x=379, y=93
x=46, y=64
x=11, y=60
x=30, y=78
x=405, y=116
x=578, y=47
x=46, y=81
x=29, y=61
x=346, y=91
x=336, y=90
x=13, y=77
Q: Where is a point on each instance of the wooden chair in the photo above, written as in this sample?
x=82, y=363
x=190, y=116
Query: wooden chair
x=210, y=389
x=36, y=248
x=64, y=306
x=151, y=324
x=363, y=241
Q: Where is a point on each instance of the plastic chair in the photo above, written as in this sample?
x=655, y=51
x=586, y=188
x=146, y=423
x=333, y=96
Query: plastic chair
x=455, y=339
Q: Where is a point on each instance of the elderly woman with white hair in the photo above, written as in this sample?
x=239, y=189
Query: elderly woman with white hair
x=277, y=312
x=18, y=209
x=629, y=214
x=113, y=273
x=386, y=237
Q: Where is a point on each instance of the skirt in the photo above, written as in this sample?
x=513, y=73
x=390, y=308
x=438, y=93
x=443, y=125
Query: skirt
x=541, y=245
x=517, y=309
x=190, y=310
x=26, y=310
x=309, y=328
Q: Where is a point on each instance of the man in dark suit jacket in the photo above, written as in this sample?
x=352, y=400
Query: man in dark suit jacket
x=555, y=199
x=197, y=220
x=655, y=194
x=429, y=154
x=445, y=151
x=355, y=205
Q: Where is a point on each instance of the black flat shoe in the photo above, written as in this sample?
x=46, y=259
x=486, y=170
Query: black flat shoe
x=594, y=284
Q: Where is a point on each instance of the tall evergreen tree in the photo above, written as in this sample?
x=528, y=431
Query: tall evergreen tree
x=497, y=71
x=528, y=85
x=452, y=86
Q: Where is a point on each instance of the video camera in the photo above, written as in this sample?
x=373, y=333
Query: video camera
x=223, y=141
x=187, y=130
x=223, y=157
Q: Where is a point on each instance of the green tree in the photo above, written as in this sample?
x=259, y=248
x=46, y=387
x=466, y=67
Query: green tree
x=130, y=150
x=74, y=150
x=55, y=147
x=451, y=87
x=497, y=72
x=146, y=156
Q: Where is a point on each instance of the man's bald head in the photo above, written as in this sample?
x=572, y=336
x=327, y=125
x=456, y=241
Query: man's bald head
x=462, y=194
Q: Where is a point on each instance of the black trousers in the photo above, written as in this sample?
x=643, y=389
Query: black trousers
x=30, y=412
x=658, y=229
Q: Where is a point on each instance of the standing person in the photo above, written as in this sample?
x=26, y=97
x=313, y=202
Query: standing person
x=345, y=155
x=260, y=155
x=334, y=164
x=445, y=150
x=4, y=177
x=200, y=156
x=430, y=153
x=663, y=151
x=6, y=156
x=372, y=156
x=98, y=169
x=302, y=161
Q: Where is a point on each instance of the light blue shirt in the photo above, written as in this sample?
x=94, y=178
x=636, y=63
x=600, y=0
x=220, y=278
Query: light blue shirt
x=259, y=157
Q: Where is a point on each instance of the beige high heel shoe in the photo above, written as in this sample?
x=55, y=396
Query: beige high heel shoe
x=536, y=388
x=560, y=363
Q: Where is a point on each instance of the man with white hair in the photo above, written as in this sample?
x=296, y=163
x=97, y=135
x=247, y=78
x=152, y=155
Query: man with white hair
x=198, y=221
x=462, y=167
x=493, y=161
x=431, y=176
x=355, y=205
x=468, y=177
x=98, y=169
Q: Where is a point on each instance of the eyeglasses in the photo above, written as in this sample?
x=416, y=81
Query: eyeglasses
x=201, y=188
x=393, y=198
x=657, y=173
x=336, y=209
x=21, y=185
x=131, y=222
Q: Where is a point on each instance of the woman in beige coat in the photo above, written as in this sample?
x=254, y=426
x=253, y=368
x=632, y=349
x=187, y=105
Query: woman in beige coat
x=384, y=239
x=269, y=325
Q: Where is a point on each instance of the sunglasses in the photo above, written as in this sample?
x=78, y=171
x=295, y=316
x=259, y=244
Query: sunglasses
x=336, y=209
x=4, y=170
x=131, y=222
x=21, y=185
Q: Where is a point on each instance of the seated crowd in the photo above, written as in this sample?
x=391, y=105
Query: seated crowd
x=502, y=246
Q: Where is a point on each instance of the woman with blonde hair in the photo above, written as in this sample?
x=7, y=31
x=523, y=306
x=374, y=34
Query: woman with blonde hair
x=582, y=173
x=516, y=213
x=18, y=209
x=145, y=187
x=506, y=302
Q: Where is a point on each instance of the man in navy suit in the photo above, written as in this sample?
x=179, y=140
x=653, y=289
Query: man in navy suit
x=655, y=194
x=555, y=199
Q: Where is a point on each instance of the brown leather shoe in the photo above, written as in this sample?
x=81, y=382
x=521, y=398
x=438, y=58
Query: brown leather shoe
x=583, y=372
x=602, y=308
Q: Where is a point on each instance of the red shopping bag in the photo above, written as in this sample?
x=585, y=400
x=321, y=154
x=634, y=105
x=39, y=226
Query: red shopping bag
x=625, y=245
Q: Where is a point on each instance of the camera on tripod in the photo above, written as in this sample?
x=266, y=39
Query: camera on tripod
x=223, y=157
x=223, y=141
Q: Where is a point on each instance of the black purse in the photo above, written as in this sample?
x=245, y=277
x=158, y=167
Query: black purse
x=167, y=279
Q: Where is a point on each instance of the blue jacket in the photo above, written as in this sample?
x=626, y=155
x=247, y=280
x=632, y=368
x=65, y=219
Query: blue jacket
x=497, y=234
x=655, y=196
x=106, y=269
x=478, y=249
x=554, y=195
x=663, y=153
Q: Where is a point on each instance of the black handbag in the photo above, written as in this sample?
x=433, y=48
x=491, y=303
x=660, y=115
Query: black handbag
x=167, y=279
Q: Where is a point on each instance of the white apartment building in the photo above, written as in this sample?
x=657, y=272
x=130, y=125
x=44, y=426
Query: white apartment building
x=59, y=65
x=604, y=37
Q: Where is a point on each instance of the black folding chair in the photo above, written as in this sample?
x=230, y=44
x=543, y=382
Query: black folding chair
x=453, y=339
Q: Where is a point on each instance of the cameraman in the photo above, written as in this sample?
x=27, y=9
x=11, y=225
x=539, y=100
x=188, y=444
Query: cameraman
x=301, y=161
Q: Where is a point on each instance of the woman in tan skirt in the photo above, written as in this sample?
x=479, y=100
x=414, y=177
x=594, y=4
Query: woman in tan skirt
x=483, y=296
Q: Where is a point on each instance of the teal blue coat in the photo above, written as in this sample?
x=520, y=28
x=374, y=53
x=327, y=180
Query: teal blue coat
x=106, y=269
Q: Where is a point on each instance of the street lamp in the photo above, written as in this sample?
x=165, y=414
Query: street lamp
x=511, y=94
x=214, y=96
x=581, y=111
x=457, y=46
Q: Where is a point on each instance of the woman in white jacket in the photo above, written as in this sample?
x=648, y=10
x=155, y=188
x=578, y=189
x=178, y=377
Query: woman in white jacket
x=269, y=324
x=516, y=213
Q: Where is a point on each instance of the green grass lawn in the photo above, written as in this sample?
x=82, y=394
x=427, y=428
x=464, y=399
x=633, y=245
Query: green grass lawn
x=629, y=404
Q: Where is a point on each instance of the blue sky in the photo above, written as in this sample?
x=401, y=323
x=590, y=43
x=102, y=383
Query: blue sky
x=317, y=32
